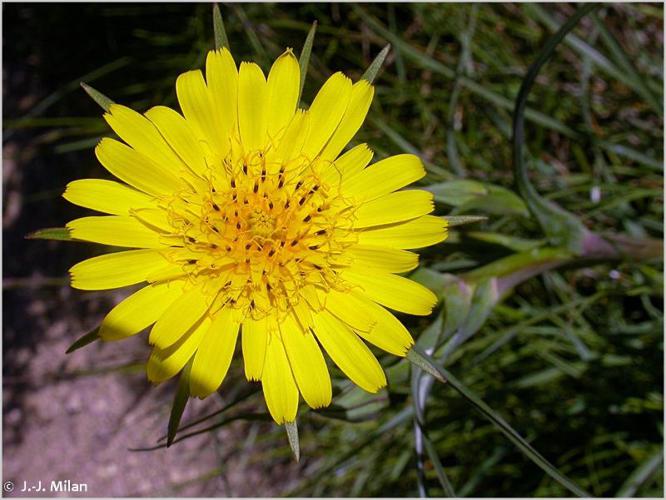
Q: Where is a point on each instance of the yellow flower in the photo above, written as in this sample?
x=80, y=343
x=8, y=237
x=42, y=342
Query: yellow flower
x=242, y=216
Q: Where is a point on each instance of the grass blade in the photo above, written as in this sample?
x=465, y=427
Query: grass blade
x=641, y=475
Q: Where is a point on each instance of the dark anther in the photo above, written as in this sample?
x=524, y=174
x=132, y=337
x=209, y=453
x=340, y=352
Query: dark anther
x=298, y=185
x=191, y=261
x=301, y=201
x=294, y=243
x=318, y=267
x=238, y=225
x=307, y=218
x=233, y=183
x=256, y=187
x=320, y=232
x=313, y=247
x=245, y=168
x=191, y=240
x=270, y=205
x=247, y=247
x=216, y=229
x=216, y=207
x=272, y=252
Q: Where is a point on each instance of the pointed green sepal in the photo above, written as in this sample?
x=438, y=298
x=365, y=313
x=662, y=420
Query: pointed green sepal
x=418, y=358
x=103, y=101
x=221, y=39
x=179, y=402
x=50, y=233
x=304, y=59
x=292, y=436
x=376, y=65
x=459, y=220
x=83, y=341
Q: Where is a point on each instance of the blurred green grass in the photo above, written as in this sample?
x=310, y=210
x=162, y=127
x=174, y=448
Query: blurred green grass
x=573, y=359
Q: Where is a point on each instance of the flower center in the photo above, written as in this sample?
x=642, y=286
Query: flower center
x=260, y=234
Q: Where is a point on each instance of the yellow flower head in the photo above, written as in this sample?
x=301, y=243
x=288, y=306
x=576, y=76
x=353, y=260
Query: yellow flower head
x=243, y=217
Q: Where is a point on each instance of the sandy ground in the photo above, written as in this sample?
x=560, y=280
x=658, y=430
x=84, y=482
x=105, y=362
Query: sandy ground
x=61, y=423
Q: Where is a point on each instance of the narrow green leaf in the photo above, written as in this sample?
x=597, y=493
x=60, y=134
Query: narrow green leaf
x=304, y=59
x=457, y=192
x=501, y=424
x=376, y=65
x=292, y=436
x=439, y=469
x=498, y=201
x=505, y=240
x=103, y=101
x=562, y=227
x=457, y=303
x=50, y=233
x=220, y=33
x=459, y=220
x=180, y=400
x=419, y=358
x=83, y=341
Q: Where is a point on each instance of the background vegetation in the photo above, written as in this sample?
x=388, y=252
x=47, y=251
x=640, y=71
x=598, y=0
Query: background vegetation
x=569, y=350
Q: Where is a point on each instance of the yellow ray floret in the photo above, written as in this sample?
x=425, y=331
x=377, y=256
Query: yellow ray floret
x=243, y=217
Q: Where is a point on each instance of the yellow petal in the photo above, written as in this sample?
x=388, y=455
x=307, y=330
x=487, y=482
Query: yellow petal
x=307, y=363
x=254, y=340
x=388, y=333
x=280, y=390
x=178, y=133
x=135, y=169
x=390, y=260
x=326, y=112
x=359, y=103
x=291, y=143
x=384, y=177
x=395, y=292
x=394, y=207
x=154, y=218
x=348, y=165
x=138, y=311
x=348, y=352
x=417, y=233
x=222, y=80
x=116, y=230
x=212, y=360
x=179, y=318
x=283, y=86
x=106, y=196
x=197, y=106
x=252, y=109
x=114, y=270
x=140, y=133
x=348, y=309
x=165, y=363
